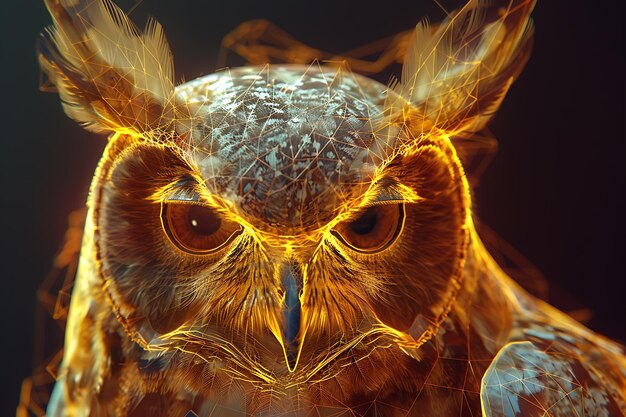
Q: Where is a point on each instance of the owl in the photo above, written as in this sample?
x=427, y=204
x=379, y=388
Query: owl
x=298, y=240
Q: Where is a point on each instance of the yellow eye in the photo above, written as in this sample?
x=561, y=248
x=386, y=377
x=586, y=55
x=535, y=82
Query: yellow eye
x=374, y=230
x=196, y=228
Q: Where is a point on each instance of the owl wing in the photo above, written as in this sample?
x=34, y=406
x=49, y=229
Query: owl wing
x=86, y=359
x=527, y=380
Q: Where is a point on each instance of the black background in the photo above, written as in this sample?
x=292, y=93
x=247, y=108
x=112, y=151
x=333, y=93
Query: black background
x=554, y=190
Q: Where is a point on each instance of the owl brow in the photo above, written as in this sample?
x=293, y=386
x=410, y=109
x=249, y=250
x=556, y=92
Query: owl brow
x=383, y=191
x=184, y=190
x=386, y=196
x=187, y=189
x=390, y=191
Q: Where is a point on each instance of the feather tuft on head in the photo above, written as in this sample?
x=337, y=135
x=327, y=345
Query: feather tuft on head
x=456, y=74
x=110, y=75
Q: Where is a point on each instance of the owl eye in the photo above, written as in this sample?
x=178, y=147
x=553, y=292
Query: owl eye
x=197, y=229
x=374, y=230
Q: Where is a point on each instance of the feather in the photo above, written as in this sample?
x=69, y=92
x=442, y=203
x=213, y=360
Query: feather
x=456, y=75
x=110, y=76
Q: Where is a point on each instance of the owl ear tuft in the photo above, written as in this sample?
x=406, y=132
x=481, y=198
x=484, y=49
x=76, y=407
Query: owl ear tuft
x=456, y=74
x=109, y=75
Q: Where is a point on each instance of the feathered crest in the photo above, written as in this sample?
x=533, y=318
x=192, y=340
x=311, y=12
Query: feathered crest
x=456, y=74
x=110, y=76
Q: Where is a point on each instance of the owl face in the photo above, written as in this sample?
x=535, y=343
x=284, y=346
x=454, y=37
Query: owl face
x=282, y=219
x=270, y=223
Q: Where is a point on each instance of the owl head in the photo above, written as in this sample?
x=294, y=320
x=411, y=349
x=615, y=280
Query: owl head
x=280, y=217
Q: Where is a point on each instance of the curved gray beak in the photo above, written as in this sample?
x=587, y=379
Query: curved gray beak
x=291, y=281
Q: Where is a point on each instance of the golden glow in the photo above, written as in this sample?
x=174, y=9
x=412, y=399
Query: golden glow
x=391, y=293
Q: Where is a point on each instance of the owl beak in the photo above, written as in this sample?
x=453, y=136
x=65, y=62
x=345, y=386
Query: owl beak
x=291, y=281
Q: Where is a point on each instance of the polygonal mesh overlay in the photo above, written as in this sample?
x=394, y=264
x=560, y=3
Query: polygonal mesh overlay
x=283, y=240
x=301, y=138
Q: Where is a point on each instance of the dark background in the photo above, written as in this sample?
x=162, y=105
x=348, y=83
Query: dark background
x=554, y=190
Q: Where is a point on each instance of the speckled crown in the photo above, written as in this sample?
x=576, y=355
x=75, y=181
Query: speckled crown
x=290, y=145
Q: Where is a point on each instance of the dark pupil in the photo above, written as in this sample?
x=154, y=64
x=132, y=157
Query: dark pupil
x=203, y=220
x=366, y=223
